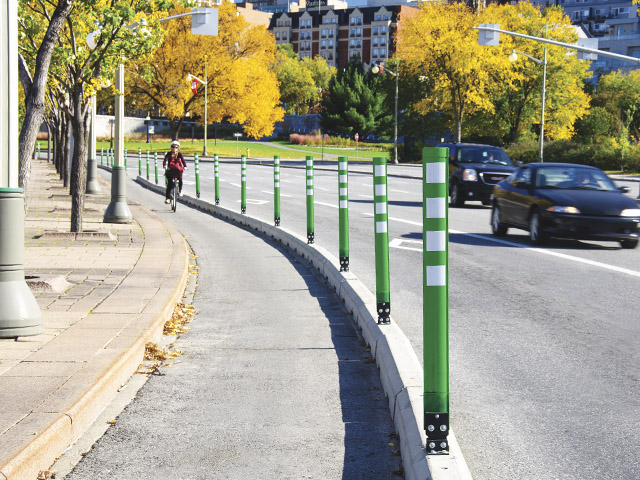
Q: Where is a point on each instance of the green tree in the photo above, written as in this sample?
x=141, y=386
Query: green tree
x=619, y=94
x=355, y=102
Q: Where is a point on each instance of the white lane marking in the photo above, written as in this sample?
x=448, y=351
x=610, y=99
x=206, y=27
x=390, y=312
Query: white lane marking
x=366, y=184
x=544, y=251
x=253, y=201
x=320, y=188
x=326, y=204
x=397, y=243
x=235, y=184
x=187, y=182
x=398, y=191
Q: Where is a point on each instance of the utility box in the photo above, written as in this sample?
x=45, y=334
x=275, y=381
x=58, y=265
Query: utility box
x=486, y=37
x=204, y=21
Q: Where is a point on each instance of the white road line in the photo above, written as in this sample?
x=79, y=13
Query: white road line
x=326, y=204
x=544, y=251
x=397, y=191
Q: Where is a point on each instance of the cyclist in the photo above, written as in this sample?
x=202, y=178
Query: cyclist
x=174, y=164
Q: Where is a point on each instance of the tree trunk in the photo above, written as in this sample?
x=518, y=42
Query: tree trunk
x=35, y=91
x=66, y=151
x=79, y=162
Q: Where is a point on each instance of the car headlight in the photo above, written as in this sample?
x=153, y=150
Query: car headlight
x=469, y=175
x=562, y=209
x=630, y=212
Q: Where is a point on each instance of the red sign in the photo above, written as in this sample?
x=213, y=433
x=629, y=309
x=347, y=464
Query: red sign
x=357, y=136
x=194, y=87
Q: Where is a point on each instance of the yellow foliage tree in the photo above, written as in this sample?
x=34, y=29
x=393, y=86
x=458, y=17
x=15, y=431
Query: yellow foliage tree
x=240, y=85
x=440, y=45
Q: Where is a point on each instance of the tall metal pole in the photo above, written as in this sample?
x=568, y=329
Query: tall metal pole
x=435, y=298
x=395, y=122
x=20, y=314
x=118, y=210
x=93, y=187
x=206, y=87
x=544, y=90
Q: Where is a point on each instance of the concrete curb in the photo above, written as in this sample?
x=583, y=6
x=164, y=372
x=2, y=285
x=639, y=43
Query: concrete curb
x=98, y=382
x=400, y=370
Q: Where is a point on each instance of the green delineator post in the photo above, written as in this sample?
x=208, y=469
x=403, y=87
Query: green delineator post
x=310, y=213
x=197, y=168
x=435, y=298
x=155, y=163
x=343, y=212
x=101, y=154
x=148, y=160
x=381, y=224
x=139, y=161
x=243, y=184
x=276, y=190
x=125, y=160
x=216, y=174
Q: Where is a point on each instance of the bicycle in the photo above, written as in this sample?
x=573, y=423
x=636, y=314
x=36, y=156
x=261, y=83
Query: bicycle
x=174, y=194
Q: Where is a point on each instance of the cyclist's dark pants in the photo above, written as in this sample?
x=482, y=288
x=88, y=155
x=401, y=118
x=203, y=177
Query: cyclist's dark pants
x=171, y=173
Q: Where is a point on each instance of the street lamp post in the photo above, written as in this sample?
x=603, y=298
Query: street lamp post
x=20, y=314
x=148, y=122
x=377, y=69
x=193, y=78
x=513, y=57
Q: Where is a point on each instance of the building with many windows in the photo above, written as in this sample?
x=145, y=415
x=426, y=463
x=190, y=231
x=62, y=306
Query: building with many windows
x=615, y=24
x=340, y=34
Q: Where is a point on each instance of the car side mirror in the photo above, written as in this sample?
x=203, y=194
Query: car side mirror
x=624, y=189
x=517, y=163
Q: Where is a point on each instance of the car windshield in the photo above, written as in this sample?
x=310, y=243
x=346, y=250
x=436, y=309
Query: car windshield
x=574, y=178
x=477, y=154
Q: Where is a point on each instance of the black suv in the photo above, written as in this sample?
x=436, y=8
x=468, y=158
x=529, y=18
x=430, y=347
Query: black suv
x=474, y=169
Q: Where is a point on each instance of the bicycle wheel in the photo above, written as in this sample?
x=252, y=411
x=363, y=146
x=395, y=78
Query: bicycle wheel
x=174, y=195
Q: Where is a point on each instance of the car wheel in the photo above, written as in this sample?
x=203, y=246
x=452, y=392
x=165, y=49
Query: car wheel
x=629, y=243
x=497, y=227
x=535, y=231
x=457, y=200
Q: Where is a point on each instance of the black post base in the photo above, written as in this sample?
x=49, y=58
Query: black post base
x=436, y=426
x=310, y=237
x=344, y=264
x=277, y=221
x=384, y=313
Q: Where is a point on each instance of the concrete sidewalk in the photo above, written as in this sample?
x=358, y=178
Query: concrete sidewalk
x=103, y=295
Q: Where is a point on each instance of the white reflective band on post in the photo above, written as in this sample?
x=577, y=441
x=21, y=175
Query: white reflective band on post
x=344, y=191
x=309, y=163
x=436, y=241
x=309, y=191
x=381, y=190
x=342, y=165
x=276, y=177
x=436, y=207
x=309, y=183
x=381, y=227
x=344, y=204
x=436, y=173
x=342, y=179
x=244, y=178
x=276, y=184
x=380, y=171
x=277, y=169
x=436, y=276
x=381, y=208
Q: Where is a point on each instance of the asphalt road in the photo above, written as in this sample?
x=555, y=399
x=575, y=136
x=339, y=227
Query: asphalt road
x=543, y=341
x=273, y=381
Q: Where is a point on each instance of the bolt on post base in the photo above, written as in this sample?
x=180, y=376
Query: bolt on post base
x=436, y=427
x=384, y=313
x=217, y=201
x=310, y=237
x=243, y=209
x=277, y=221
x=344, y=264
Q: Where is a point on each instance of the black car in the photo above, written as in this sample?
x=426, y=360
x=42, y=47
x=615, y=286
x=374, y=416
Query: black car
x=474, y=169
x=565, y=200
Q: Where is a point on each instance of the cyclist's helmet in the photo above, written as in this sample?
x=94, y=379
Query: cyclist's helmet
x=176, y=143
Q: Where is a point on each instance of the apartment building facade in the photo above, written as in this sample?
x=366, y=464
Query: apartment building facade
x=615, y=24
x=340, y=34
